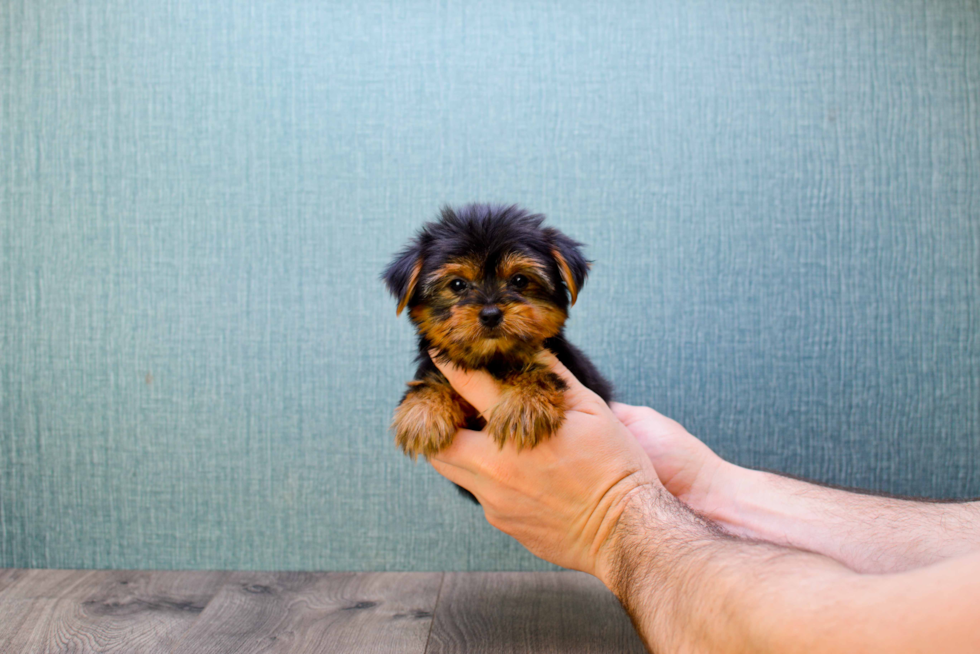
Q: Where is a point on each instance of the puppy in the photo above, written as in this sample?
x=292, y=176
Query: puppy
x=487, y=287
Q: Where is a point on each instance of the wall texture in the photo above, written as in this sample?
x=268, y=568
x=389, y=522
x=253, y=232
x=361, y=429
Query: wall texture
x=196, y=198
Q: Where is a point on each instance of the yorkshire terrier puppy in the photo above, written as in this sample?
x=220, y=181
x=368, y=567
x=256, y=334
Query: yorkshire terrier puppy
x=487, y=287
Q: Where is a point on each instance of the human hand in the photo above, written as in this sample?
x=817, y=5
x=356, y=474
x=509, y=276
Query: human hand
x=562, y=498
x=686, y=467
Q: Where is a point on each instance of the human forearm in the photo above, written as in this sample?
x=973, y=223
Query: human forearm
x=690, y=588
x=589, y=498
x=865, y=532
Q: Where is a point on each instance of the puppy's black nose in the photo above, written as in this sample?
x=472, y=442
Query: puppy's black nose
x=490, y=316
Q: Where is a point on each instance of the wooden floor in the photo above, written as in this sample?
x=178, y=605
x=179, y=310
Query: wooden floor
x=80, y=611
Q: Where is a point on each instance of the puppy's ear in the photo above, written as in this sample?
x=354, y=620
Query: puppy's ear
x=571, y=264
x=402, y=274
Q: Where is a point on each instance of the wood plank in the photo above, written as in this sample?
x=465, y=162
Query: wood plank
x=514, y=612
x=388, y=613
x=9, y=576
x=102, y=611
x=45, y=584
x=26, y=598
x=13, y=615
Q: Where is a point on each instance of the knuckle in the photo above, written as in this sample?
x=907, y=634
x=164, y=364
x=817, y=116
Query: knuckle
x=490, y=470
x=493, y=471
x=493, y=517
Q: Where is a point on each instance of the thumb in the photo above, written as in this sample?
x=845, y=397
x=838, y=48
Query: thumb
x=475, y=386
x=577, y=396
x=626, y=413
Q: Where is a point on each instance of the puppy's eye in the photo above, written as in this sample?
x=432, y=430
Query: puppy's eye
x=519, y=281
x=457, y=286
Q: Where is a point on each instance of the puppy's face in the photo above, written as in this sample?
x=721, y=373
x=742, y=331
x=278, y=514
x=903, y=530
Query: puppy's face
x=476, y=308
x=487, y=284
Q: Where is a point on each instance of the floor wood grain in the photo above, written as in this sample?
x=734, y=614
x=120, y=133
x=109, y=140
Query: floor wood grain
x=546, y=612
x=9, y=576
x=102, y=611
x=81, y=611
x=317, y=612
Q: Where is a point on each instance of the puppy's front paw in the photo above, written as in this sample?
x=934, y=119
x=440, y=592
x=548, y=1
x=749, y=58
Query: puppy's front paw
x=531, y=409
x=429, y=416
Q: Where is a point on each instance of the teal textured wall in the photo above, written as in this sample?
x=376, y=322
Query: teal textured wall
x=197, y=198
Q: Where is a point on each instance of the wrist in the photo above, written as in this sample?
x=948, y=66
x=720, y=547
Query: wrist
x=620, y=536
x=622, y=516
x=654, y=563
x=735, y=497
x=651, y=522
x=719, y=489
x=766, y=507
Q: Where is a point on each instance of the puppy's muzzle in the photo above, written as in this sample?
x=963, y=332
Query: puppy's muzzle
x=491, y=316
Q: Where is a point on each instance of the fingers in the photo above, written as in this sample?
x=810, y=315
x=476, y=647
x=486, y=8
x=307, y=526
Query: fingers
x=465, y=453
x=476, y=386
x=625, y=412
x=463, y=461
x=455, y=474
x=454, y=465
x=483, y=392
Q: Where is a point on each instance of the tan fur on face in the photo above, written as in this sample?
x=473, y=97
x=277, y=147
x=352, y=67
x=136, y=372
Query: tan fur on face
x=513, y=263
x=531, y=408
x=466, y=268
x=532, y=321
x=429, y=416
x=526, y=325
